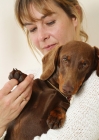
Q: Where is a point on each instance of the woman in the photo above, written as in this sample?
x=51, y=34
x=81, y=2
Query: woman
x=48, y=24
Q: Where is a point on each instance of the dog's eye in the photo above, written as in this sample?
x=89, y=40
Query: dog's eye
x=66, y=59
x=84, y=64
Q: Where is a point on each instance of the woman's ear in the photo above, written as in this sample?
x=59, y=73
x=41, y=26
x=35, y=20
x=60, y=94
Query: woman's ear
x=75, y=22
x=79, y=11
x=78, y=17
x=97, y=59
x=49, y=63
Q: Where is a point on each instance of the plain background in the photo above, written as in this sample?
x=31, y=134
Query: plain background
x=14, y=49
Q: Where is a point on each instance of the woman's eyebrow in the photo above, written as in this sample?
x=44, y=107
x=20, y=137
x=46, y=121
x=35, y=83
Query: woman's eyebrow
x=42, y=17
x=25, y=24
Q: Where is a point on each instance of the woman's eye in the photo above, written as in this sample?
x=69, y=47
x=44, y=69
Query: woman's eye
x=51, y=22
x=33, y=30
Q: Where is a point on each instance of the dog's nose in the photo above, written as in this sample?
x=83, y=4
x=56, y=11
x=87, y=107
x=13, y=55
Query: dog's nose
x=67, y=89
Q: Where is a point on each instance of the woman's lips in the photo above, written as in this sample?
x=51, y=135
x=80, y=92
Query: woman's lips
x=49, y=47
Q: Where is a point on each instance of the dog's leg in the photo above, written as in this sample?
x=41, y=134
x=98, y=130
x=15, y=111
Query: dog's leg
x=56, y=118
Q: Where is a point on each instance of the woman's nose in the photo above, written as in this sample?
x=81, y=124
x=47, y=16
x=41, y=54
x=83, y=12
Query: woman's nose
x=43, y=35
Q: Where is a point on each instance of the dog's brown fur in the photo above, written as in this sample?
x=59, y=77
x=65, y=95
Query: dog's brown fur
x=66, y=67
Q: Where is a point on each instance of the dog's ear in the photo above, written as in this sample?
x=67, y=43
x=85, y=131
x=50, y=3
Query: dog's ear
x=97, y=59
x=49, y=63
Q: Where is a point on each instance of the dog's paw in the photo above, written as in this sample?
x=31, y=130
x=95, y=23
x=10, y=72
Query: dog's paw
x=56, y=118
x=18, y=75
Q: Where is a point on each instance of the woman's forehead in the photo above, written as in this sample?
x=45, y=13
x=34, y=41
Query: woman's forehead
x=34, y=12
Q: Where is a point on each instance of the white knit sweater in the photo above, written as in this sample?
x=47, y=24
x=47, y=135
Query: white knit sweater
x=82, y=122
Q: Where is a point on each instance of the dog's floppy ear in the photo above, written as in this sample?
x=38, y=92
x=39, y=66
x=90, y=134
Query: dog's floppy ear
x=49, y=63
x=97, y=59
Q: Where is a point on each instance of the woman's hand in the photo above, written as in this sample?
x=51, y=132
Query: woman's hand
x=12, y=102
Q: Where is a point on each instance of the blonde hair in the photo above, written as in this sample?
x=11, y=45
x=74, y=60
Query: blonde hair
x=70, y=7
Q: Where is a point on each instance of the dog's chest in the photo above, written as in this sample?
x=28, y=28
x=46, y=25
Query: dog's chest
x=32, y=120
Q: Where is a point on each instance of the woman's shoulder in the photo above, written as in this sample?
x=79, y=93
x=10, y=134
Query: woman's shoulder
x=89, y=87
x=92, y=82
x=89, y=92
x=94, y=76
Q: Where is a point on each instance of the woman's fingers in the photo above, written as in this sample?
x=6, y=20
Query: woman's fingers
x=22, y=100
x=15, y=99
x=20, y=95
x=12, y=103
x=8, y=87
x=22, y=88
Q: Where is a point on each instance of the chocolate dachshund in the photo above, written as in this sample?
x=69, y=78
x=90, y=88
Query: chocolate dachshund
x=65, y=68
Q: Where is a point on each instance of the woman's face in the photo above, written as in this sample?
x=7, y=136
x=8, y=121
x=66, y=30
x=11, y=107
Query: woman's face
x=52, y=30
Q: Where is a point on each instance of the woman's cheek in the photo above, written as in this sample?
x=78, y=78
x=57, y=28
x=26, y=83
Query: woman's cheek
x=34, y=40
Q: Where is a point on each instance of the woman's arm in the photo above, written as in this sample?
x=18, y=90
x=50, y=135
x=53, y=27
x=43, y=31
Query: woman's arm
x=82, y=122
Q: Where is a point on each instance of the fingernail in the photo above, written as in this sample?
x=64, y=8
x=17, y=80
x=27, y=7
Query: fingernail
x=32, y=76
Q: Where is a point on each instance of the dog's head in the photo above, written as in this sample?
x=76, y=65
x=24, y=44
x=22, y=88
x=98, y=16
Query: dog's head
x=75, y=61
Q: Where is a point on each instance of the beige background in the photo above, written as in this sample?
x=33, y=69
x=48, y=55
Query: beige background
x=14, y=50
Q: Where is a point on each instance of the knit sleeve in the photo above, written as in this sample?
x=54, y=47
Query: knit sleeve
x=3, y=136
x=82, y=121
